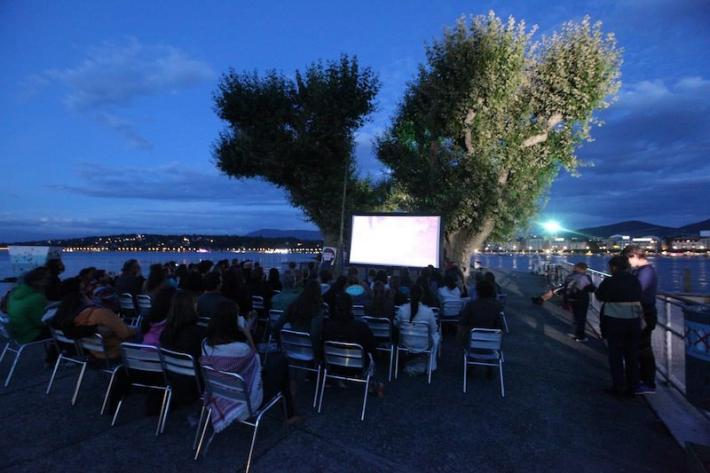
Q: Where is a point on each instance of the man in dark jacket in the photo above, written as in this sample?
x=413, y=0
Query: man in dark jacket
x=130, y=281
x=484, y=312
x=646, y=274
x=577, y=287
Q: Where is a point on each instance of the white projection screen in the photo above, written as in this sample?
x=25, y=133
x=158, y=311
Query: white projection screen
x=395, y=240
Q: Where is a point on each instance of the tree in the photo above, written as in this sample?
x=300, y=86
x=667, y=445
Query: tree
x=299, y=135
x=489, y=120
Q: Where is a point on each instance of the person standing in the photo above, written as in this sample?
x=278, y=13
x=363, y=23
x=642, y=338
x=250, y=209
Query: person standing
x=646, y=274
x=577, y=287
x=620, y=321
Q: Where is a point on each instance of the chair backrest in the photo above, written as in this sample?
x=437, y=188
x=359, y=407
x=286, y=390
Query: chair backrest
x=93, y=343
x=381, y=327
x=4, y=321
x=415, y=334
x=138, y=357
x=144, y=303
x=50, y=312
x=226, y=385
x=485, y=339
x=297, y=345
x=275, y=316
x=452, y=308
x=179, y=363
x=358, y=310
x=257, y=302
x=125, y=300
x=326, y=309
x=344, y=355
x=63, y=342
x=203, y=321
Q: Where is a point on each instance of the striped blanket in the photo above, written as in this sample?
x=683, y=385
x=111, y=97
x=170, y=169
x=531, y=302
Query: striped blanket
x=225, y=411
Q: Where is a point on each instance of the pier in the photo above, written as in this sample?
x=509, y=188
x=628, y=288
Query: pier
x=554, y=417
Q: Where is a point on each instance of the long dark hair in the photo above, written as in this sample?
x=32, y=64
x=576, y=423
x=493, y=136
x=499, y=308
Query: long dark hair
x=70, y=306
x=159, y=308
x=156, y=277
x=224, y=327
x=343, y=306
x=415, y=296
x=181, y=314
x=308, y=304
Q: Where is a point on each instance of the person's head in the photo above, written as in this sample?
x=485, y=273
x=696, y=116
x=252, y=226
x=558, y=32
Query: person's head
x=37, y=278
x=485, y=289
x=73, y=300
x=580, y=267
x=181, y=314
x=450, y=281
x=489, y=276
x=87, y=274
x=381, y=276
x=55, y=266
x=156, y=277
x=274, y=275
x=223, y=326
x=352, y=271
x=636, y=255
x=159, y=306
x=131, y=267
x=343, y=309
x=192, y=282
x=371, y=274
x=395, y=283
x=619, y=264
x=212, y=281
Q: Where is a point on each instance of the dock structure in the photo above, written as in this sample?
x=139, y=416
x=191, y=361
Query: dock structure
x=555, y=417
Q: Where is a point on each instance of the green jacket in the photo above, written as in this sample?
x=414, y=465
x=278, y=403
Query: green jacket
x=25, y=308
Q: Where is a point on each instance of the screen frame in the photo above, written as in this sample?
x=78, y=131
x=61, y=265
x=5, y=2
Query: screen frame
x=440, y=256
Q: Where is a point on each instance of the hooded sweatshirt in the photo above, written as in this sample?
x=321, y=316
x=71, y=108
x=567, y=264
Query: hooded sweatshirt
x=25, y=308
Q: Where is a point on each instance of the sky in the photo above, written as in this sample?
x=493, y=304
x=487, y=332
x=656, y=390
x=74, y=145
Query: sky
x=108, y=120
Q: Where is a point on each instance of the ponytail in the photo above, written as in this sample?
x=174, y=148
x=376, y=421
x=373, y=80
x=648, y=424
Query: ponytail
x=415, y=295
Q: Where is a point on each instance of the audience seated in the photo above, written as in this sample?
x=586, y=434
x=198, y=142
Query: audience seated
x=382, y=303
x=484, y=312
x=107, y=323
x=305, y=314
x=207, y=302
x=130, y=281
x=26, y=305
x=157, y=280
x=152, y=325
x=274, y=281
x=228, y=347
x=417, y=311
x=449, y=291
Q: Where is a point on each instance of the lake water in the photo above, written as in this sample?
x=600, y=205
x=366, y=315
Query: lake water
x=671, y=270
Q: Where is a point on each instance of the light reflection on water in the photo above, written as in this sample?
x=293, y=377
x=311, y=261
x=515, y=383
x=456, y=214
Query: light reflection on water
x=670, y=270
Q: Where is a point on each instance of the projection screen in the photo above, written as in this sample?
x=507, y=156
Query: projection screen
x=395, y=240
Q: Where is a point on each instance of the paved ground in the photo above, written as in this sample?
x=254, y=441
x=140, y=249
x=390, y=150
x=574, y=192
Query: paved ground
x=555, y=417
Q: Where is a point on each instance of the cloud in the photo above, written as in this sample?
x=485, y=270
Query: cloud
x=115, y=75
x=172, y=182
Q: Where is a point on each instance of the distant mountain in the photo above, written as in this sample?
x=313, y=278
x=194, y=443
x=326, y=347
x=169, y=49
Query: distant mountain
x=307, y=235
x=633, y=228
x=694, y=228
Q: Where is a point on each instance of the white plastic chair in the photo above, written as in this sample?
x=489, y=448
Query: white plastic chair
x=484, y=349
x=180, y=364
x=415, y=338
x=344, y=357
x=11, y=346
x=381, y=328
x=298, y=348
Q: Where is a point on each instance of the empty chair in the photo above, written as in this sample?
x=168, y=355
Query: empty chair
x=484, y=349
x=346, y=362
x=415, y=338
x=177, y=366
x=382, y=330
x=298, y=348
x=223, y=386
x=144, y=369
x=11, y=346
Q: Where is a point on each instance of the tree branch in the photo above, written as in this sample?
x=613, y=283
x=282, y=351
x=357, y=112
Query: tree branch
x=552, y=122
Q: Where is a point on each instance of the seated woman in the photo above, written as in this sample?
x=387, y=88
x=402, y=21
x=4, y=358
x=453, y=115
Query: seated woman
x=108, y=323
x=182, y=334
x=25, y=307
x=449, y=291
x=305, y=314
x=417, y=311
x=152, y=325
x=382, y=304
x=228, y=347
x=484, y=312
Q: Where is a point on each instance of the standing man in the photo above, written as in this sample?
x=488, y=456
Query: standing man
x=577, y=287
x=646, y=274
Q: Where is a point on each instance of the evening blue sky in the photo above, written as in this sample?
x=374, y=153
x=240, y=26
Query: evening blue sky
x=107, y=116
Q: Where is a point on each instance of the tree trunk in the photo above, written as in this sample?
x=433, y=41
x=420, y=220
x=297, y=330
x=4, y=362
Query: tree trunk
x=461, y=244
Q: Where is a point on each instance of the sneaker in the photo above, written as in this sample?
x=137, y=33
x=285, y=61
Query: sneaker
x=645, y=389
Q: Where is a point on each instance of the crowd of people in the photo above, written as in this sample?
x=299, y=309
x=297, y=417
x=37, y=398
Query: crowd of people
x=206, y=310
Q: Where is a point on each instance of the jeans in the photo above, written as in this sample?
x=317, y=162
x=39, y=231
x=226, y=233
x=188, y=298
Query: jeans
x=647, y=361
x=623, y=336
x=579, y=310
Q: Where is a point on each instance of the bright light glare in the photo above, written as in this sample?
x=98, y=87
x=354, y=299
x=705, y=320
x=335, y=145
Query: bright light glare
x=552, y=226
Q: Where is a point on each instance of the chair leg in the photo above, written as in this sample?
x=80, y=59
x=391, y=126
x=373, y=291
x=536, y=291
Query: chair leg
x=204, y=430
x=253, y=442
x=167, y=409
x=389, y=371
x=78, y=384
x=322, y=389
x=396, y=364
x=315, y=394
x=115, y=414
x=429, y=365
x=14, y=364
x=199, y=425
x=162, y=411
x=465, y=372
x=54, y=373
x=7, y=347
x=285, y=409
x=364, y=401
x=502, y=386
x=108, y=391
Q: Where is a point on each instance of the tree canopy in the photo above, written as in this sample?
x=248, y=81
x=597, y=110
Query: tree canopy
x=490, y=118
x=299, y=134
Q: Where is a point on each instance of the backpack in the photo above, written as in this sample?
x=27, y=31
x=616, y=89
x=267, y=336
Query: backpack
x=75, y=332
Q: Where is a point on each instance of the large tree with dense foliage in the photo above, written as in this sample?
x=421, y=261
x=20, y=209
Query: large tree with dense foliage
x=298, y=133
x=489, y=120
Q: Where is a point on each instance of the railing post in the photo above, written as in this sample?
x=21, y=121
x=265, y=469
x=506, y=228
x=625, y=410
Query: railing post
x=669, y=339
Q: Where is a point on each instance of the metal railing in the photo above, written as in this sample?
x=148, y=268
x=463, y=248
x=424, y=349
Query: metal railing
x=668, y=339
